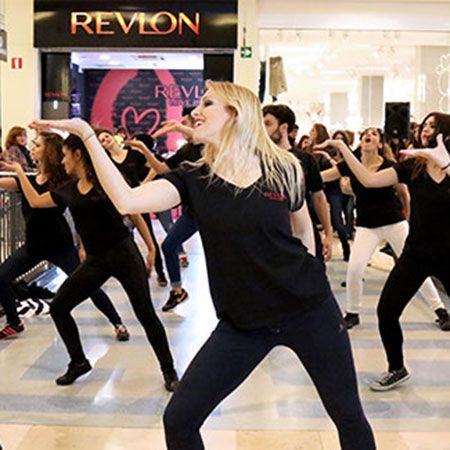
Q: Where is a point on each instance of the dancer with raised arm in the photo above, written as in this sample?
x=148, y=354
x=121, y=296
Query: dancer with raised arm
x=427, y=248
x=110, y=252
x=47, y=236
x=267, y=287
x=379, y=218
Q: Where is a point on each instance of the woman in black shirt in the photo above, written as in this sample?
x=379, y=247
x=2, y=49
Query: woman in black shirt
x=47, y=236
x=246, y=197
x=133, y=166
x=110, y=252
x=427, y=246
x=379, y=219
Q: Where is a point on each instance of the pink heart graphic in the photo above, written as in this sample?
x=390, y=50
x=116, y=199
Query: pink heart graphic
x=139, y=117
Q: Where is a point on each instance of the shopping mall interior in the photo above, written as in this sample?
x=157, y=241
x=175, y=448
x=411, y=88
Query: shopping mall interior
x=130, y=67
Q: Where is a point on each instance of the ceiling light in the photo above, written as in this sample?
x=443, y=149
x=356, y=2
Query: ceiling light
x=105, y=57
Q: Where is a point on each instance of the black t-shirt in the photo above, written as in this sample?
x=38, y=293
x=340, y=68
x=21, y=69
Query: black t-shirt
x=259, y=273
x=311, y=171
x=97, y=221
x=332, y=187
x=375, y=207
x=133, y=167
x=46, y=229
x=188, y=152
x=430, y=211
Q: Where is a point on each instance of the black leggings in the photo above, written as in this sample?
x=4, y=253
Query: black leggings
x=125, y=263
x=319, y=340
x=403, y=282
x=159, y=266
x=22, y=260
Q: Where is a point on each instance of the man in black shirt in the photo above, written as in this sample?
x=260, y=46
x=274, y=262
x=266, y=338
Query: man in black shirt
x=280, y=121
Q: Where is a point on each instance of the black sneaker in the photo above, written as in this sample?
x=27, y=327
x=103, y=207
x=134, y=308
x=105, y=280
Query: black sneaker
x=161, y=279
x=390, y=380
x=11, y=330
x=171, y=380
x=443, y=319
x=350, y=320
x=175, y=299
x=74, y=371
x=122, y=333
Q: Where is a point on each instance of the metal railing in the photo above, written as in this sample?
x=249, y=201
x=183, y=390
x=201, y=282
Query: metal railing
x=12, y=226
x=12, y=230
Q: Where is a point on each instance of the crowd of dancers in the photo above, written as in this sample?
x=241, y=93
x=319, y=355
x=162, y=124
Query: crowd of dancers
x=265, y=207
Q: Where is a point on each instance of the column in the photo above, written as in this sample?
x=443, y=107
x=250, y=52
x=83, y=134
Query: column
x=246, y=70
x=372, y=100
x=19, y=86
x=432, y=88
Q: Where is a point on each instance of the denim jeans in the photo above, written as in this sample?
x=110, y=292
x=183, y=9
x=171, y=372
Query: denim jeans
x=181, y=231
x=228, y=357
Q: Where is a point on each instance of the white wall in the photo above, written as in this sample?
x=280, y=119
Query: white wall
x=19, y=88
x=355, y=15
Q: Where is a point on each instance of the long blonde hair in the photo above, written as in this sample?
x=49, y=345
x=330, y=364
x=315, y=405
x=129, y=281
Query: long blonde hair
x=246, y=135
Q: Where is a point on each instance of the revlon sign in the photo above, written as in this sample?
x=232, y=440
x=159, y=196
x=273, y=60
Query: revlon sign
x=135, y=23
x=160, y=23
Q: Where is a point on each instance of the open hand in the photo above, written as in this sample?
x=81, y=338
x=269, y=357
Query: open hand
x=10, y=166
x=74, y=126
x=135, y=144
x=439, y=154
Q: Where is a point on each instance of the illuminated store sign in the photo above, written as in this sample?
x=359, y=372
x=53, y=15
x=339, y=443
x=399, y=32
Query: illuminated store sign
x=135, y=23
x=163, y=22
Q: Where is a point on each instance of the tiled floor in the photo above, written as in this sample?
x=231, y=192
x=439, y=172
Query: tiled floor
x=119, y=405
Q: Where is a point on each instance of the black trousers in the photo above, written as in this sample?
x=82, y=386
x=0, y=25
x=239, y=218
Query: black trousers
x=159, y=265
x=123, y=262
x=22, y=260
x=319, y=340
x=411, y=270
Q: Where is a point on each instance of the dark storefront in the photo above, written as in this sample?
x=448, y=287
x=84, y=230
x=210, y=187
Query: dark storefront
x=134, y=98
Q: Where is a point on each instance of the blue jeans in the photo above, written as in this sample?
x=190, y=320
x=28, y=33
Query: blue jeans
x=336, y=201
x=21, y=261
x=180, y=232
x=228, y=357
x=166, y=220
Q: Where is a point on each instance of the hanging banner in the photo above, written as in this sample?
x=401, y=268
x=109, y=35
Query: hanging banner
x=139, y=100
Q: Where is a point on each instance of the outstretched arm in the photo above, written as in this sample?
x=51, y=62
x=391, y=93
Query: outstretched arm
x=156, y=196
x=383, y=178
x=35, y=199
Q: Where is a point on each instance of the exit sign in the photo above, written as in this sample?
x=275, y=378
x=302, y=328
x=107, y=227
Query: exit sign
x=246, y=52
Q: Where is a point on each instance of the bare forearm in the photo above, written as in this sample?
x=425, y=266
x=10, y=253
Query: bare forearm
x=302, y=228
x=323, y=212
x=143, y=231
x=28, y=190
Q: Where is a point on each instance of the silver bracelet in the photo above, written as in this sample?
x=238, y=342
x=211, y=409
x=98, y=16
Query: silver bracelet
x=446, y=166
